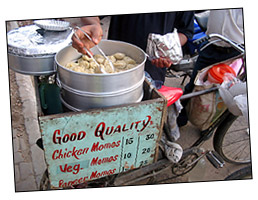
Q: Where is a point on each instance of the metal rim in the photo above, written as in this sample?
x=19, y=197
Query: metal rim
x=108, y=74
x=32, y=73
x=102, y=94
x=79, y=110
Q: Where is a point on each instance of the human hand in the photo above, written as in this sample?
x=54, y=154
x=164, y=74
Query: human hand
x=161, y=62
x=94, y=31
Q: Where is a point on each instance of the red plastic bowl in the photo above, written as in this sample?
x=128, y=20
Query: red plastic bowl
x=217, y=72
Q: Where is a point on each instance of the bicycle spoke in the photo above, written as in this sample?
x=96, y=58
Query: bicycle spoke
x=241, y=152
x=236, y=142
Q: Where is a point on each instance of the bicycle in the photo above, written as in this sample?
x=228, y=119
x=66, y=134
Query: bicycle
x=227, y=147
x=221, y=129
x=241, y=174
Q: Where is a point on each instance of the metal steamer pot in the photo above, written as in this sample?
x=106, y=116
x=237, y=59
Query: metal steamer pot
x=80, y=91
x=31, y=50
x=41, y=65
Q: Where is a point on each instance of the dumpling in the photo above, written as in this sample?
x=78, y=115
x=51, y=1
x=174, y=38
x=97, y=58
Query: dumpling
x=83, y=63
x=99, y=58
x=112, y=58
x=129, y=60
x=119, y=64
x=130, y=66
x=85, y=57
x=119, y=56
x=71, y=65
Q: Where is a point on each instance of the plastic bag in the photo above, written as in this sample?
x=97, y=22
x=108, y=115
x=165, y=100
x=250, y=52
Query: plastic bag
x=233, y=93
x=241, y=102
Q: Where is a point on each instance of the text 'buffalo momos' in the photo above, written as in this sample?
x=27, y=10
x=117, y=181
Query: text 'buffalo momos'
x=85, y=64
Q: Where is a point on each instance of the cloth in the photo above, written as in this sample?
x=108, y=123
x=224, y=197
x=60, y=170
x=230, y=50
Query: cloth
x=229, y=23
x=135, y=28
x=172, y=150
x=173, y=113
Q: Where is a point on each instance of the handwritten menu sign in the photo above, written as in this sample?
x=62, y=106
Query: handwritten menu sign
x=83, y=146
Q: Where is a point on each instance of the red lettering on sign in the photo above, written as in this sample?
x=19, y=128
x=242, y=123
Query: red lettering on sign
x=70, y=168
x=99, y=147
x=97, y=174
x=100, y=130
x=62, y=154
x=63, y=184
x=99, y=161
x=118, y=129
x=139, y=126
x=145, y=124
x=57, y=139
x=108, y=132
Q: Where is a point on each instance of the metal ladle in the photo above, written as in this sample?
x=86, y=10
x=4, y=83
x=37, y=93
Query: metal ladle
x=99, y=49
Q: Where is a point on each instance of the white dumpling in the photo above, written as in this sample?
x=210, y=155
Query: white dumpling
x=129, y=60
x=71, y=65
x=99, y=58
x=83, y=63
x=112, y=58
x=130, y=66
x=85, y=57
x=119, y=64
x=79, y=69
x=93, y=65
x=119, y=56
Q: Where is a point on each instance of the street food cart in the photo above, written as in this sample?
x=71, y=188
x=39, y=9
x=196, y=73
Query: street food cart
x=81, y=142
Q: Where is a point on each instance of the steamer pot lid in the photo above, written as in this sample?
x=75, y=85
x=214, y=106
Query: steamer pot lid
x=33, y=41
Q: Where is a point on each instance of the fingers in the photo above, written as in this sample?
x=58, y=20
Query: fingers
x=96, y=36
x=94, y=31
x=161, y=62
x=81, y=43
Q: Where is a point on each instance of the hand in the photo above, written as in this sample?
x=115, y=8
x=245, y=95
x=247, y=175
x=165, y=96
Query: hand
x=94, y=31
x=161, y=62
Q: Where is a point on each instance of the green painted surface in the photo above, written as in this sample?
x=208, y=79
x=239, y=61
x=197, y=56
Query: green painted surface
x=92, y=144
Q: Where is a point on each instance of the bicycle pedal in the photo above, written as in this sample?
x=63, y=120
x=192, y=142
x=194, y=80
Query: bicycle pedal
x=215, y=159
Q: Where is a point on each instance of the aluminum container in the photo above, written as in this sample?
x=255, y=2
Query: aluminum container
x=36, y=66
x=78, y=100
x=83, y=91
x=31, y=50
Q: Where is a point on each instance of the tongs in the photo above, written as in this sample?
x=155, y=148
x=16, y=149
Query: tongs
x=99, y=49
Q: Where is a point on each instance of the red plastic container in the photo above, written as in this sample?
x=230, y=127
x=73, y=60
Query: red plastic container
x=217, y=72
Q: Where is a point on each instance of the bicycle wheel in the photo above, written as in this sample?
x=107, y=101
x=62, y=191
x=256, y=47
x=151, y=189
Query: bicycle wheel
x=232, y=141
x=241, y=174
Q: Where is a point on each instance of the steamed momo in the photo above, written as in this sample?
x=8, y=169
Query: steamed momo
x=85, y=64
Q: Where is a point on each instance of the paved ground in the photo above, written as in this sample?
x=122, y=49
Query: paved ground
x=29, y=162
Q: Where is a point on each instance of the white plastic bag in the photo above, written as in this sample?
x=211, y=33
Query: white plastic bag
x=241, y=102
x=233, y=93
